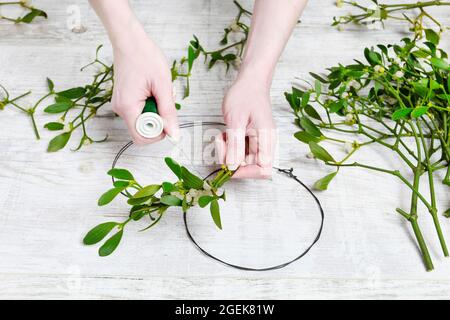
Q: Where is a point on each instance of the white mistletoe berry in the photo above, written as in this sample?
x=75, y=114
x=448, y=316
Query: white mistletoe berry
x=348, y=147
x=206, y=186
x=379, y=69
x=67, y=128
x=398, y=75
x=177, y=194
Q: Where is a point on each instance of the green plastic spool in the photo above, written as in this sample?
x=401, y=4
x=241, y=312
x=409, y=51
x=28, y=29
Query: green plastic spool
x=149, y=124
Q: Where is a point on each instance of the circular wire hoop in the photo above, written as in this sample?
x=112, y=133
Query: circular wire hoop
x=288, y=172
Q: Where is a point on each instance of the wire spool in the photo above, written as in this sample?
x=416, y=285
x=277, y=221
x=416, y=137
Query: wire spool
x=149, y=124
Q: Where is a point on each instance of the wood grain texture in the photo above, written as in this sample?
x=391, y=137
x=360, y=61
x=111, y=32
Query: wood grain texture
x=48, y=201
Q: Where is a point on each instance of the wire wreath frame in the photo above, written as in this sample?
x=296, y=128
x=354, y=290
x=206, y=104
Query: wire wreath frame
x=288, y=172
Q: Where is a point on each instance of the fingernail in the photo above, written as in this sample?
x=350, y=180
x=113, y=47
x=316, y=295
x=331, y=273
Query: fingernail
x=232, y=167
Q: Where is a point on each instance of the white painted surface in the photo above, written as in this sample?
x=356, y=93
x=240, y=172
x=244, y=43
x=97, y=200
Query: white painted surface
x=48, y=201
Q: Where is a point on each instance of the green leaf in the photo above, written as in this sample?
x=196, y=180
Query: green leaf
x=73, y=93
x=432, y=36
x=50, y=84
x=401, y=113
x=305, y=99
x=322, y=184
x=109, y=195
x=120, y=183
x=215, y=213
x=372, y=57
x=310, y=111
x=305, y=137
x=335, y=106
x=317, y=77
x=147, y=191
x=137, y=212
x=229, y=57
x=29, y=17
x=421, y=53
x=310, y=127
x=99, y=232
x=203, y=201
x=136, y=201
x=58, y=142
x=110, y=245
x=171, y=200
x=423, y=86
x=54, y=126
x=58, y=107
x=122, y=174
x=440, y=63
x=191, y=58
x=318, y=88
x=419, y=111
x=190, y=179
x=174, y=166
x=320, y=153
x=168, y=187
x=59, y=99
x=447, y=213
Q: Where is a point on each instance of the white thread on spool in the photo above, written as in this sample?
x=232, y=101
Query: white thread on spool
x=149, y=125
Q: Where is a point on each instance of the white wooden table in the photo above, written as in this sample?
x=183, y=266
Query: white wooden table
x=48, y=201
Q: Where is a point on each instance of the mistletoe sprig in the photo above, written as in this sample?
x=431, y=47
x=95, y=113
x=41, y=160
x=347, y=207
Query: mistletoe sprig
x=380, y=12
x=73, y=107
x=398, y=99
x=28, y=17
x=229, y=53
x=152, y=201
x=6, y=100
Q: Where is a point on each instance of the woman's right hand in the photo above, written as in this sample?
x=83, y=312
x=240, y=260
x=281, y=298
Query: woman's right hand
x=141, y=71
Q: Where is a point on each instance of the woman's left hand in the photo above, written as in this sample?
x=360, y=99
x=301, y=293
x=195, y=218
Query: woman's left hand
x=249, y=140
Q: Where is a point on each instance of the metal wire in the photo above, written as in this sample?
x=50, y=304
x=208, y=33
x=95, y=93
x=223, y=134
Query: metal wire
x=288, y=172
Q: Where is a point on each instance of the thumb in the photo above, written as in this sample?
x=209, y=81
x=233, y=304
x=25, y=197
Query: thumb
x=166, y=109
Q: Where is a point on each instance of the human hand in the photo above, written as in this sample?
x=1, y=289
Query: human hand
x=141, y=71
x=249, y=140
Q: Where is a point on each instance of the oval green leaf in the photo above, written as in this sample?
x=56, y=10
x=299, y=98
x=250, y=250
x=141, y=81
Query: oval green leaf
x=174, y=166
x=215, y=213
x=122, y=174
x=203, y=201
x=58, y=142
x=97, y=233
x=58, y=107
x=109, y=195
x=401, y=113
x=171, y=200
x=322, y=184
x=419, y=111
x=147, y=191
x=110, y=245
x=320, y=153
x=305, y=137
x=54, y=126
x=73, y=93
x=310, y=127
x=440, y=63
